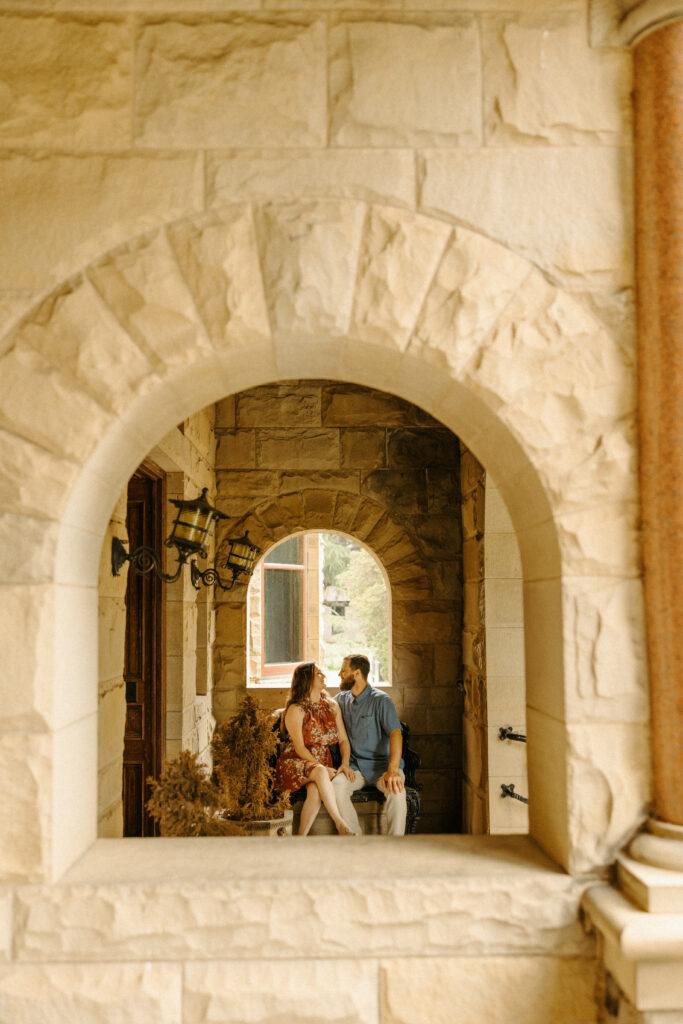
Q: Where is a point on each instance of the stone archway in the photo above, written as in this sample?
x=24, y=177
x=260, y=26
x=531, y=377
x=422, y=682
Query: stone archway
x=436, y=314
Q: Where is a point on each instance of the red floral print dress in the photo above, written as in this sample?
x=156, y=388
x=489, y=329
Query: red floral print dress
x=319, y=729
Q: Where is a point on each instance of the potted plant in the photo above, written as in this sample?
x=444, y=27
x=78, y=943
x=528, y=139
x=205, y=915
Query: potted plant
x=237, y=798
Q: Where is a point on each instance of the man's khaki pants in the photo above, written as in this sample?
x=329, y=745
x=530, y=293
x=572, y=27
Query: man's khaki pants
x=394, y=803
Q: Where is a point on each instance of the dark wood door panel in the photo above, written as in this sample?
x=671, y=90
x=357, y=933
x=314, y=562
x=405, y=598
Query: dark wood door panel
x=144, y=658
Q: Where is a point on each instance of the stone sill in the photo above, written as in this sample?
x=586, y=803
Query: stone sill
x=235, y=859
x=637, y=934
x=318, y=898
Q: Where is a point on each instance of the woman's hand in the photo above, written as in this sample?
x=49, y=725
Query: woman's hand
x=346, y=770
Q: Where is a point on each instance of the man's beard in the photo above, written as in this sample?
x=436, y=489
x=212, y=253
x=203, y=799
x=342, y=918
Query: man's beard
x=346, y=684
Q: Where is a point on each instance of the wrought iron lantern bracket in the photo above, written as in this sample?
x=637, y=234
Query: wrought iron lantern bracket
x=209, y=577
x=142, y=561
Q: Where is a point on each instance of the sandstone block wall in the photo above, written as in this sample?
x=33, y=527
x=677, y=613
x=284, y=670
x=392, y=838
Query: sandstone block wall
x=122, y=117
x=319, y=455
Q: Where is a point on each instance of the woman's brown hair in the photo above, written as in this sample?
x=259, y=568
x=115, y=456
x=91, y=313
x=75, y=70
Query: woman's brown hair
x=302, y=682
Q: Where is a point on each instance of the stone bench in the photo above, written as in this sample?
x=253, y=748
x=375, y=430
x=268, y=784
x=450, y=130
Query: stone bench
x=369, y=801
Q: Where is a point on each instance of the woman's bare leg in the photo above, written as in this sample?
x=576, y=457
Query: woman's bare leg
x=309, y=811
x=321, y=777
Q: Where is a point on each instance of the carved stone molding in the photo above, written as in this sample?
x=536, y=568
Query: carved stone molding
x=624, y=22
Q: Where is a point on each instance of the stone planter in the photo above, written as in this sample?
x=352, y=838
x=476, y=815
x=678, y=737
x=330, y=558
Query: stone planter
x=270, y=827
x=267, y=826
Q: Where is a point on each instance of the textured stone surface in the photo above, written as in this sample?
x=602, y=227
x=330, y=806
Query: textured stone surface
x=346, y=405
x=360, y=448
x=71, y=422
x=307, y=251
x=378, y=98
x=447, y=895
x=218, y=258
x=281, y=405
x=608, y=768
x=75, y=323
x=501, y=990
x=65, y=82
x=474, y=283
x=92, y=994
x=600, y=541
x=32, y=480
x=341, y=991
x=369, y=174
x=298, y=449
x=26, y=773
x=87, y=205
x=605, y=650
x=144, y=287
x=541, y=81
x=238, y=83
x=14, y=303
x=26, y=612
x=27, y=549
x=574, y=222
x=423, y=447
x=399, y=256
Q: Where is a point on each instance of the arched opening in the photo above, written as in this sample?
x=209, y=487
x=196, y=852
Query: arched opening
x=480, y=370
x=317, y=596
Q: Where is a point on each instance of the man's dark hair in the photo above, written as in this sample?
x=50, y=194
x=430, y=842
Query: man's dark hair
x=360, y=662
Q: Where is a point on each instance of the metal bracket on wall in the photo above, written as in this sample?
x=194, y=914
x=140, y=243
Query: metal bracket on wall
x=508, y=789
x=505, y=733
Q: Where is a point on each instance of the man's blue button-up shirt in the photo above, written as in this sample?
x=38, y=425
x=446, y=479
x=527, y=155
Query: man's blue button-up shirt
x=368, y=719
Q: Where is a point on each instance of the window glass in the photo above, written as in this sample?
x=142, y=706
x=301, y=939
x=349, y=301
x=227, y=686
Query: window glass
x=289, y=552
x=283, y=634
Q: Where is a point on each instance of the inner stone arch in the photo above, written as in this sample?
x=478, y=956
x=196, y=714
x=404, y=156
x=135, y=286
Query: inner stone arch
x=316, y=595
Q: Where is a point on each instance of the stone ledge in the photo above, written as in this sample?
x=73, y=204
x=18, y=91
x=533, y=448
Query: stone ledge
x=639, y=935
x=444, y=895
x=653, y=889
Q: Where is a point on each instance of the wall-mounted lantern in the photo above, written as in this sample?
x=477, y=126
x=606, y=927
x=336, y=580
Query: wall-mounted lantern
x=189, y=536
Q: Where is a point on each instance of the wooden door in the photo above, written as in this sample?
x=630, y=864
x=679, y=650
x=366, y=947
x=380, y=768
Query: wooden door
x=144, y=660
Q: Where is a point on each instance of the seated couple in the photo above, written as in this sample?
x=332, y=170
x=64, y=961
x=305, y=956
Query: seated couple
x=363, y=721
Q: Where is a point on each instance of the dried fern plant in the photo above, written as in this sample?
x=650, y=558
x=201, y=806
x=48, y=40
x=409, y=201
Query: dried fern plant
x=183, y=798
x=243, y=754
x=187, y=801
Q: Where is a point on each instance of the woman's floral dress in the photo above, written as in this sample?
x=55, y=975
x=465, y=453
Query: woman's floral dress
x=320, y=733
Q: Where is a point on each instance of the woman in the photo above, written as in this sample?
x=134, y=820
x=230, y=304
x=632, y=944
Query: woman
x=313, y=723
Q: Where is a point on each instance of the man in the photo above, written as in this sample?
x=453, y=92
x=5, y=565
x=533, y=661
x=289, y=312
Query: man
x=374, y=731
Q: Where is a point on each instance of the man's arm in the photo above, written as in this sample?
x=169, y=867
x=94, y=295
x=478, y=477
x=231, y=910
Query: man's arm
x=392, y=778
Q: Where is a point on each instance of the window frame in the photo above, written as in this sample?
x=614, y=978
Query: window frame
x=282, y=668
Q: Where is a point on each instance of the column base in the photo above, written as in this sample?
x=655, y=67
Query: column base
x=640, y=923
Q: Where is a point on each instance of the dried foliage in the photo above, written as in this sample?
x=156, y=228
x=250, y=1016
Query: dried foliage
x=187, y=801
x=244, y=751
x=183, y=798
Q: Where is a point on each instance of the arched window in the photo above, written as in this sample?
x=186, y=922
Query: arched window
x=317, y=597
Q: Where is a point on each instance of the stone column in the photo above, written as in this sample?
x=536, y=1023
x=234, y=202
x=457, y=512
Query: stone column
x=659, y=254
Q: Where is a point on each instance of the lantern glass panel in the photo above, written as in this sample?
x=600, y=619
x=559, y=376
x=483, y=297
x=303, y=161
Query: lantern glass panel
x=191, y=527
